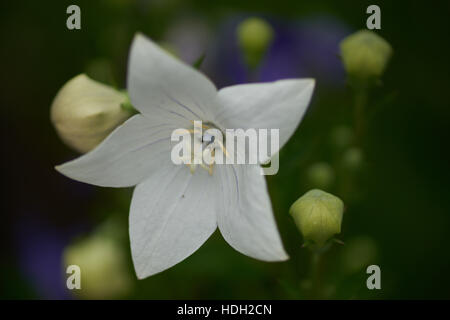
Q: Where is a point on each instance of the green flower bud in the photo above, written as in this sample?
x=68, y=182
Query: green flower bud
x=353, y=158
x=365, y=54
x=320, y=175
x=84, y=112
x=318, y=215
x=254, y=36
x=103, y=268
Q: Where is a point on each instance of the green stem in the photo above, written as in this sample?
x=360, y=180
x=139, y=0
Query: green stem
x=316, y=291
x=361, y=97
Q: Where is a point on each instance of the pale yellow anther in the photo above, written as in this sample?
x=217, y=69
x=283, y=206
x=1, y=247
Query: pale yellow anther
x=189, y=161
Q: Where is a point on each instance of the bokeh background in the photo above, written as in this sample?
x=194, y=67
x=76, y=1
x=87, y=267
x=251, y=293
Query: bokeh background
x=395, y=186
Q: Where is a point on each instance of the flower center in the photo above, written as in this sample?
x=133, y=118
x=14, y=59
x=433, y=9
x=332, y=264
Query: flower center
x=206, y=143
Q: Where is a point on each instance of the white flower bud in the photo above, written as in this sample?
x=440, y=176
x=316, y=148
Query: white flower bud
x=85, y=111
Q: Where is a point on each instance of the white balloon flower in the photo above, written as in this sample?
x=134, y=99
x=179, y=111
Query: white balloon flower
x=174, y=210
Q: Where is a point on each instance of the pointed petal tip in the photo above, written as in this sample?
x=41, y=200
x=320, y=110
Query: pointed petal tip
x=141, y=275
x=305, y=82
x=62, y=169
x=139, y=36
x=143, y=271
x=308, y=85
x=274, y=257
x=139, y=39
x=280, y=257
x=138, y=275
x=311, y=82
x=285, y=257
x=59, y=168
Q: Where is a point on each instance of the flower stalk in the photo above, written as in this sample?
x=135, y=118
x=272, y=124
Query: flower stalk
x=360, y=98
x=316, y=291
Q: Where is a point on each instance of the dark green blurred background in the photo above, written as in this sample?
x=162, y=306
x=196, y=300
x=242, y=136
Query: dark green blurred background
x=399, y=199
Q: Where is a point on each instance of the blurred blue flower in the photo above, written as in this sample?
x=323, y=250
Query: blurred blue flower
x=40, y=248
x=303, y=48
x=317, y=40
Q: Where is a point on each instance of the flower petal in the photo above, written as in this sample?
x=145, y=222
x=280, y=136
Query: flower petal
x=171, y=216
x=126, y=157
x=273, y=105
x=159, y=83
x=245, y=216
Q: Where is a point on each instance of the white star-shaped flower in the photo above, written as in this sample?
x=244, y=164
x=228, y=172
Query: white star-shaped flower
x=174, y=211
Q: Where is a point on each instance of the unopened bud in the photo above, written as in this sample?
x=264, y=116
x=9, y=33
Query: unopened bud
x=103, y=269
x=255, y=36
x=318, y=215
x=365, y=55
x=84, y=112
